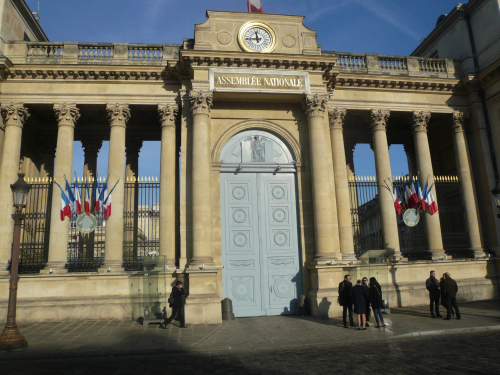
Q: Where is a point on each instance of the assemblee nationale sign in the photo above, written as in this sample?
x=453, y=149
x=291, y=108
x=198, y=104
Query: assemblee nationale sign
x=249, y=80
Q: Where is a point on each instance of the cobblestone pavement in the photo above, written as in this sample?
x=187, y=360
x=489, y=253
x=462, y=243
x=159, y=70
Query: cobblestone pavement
x=99, y=338
x=470, y=353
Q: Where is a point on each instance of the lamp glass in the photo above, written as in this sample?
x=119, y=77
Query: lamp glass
x=20, y=190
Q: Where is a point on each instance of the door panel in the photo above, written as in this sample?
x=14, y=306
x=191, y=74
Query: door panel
x=260, y=252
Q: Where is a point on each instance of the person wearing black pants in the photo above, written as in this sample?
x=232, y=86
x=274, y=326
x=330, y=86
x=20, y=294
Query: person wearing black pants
x=345, y=300
x=450, y=292
x=177, y=306
x=432, y=285
x=367, y=289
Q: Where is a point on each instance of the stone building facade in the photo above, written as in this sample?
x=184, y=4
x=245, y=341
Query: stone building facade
x=257, y=127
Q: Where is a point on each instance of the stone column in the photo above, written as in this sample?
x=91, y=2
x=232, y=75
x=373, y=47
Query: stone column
x=131, y=196
x=409, y=148
x=336, y=118
x=464, y=176
x=91, y=147
x=424, y=163
x=167, y=182
x=388, y=219
x=315, y=108
x=14, y=116
x=202, y=220
x=67, y=115
x=118, y=115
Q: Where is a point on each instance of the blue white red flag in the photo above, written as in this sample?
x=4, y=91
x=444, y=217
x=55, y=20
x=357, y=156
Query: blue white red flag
x=424, y=196
x=87, y=198
x=431, y=203
x=106, y=205
x=95, y=194
x=102, y=196
x=65, y=204
x=78, y=198
x=254, y=6
x=413, y=198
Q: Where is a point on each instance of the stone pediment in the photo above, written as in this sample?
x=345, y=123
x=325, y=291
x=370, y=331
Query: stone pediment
x=220, y=32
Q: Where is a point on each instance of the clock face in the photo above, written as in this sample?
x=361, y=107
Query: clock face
x=257, y=37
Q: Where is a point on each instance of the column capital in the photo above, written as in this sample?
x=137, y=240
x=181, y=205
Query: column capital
x=379, y=118
x=168, y=113
x=336, y=117
x=458, y=122
x=420, y=120
x=66, y=114
x=201, y=102
x=91, y=145
x=118, y=114
x=315, y=105
x=14, y=114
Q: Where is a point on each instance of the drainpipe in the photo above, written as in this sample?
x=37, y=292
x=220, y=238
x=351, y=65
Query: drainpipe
x=482, y=95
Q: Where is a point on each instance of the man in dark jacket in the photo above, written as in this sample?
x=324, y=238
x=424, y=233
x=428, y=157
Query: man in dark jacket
x=345, y=299
x=177, y=306
x=450, y=292
x=432, y=285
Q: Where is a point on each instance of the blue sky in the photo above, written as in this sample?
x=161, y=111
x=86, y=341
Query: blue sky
x=392, y=27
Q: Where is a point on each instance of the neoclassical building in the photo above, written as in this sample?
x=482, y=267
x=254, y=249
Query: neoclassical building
x=257, y=199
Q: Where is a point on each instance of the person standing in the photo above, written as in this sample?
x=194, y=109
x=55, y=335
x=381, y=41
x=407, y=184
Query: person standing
x=345, y=300
x=177, y=306
x=375, y=297
x=367, y=288
x=360, y=295
x=450, y=292
x=432, y=285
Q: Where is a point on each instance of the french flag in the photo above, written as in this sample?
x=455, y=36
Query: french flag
x=423, y=196
x=413, y=198
x=107, y=207
x=65, y=204
x=95, y=195
x=102, y=196
x=254, y=6
x=431, y=203
x=87, y=198
x=397, y=205
x=78, y=199
x=70, y=194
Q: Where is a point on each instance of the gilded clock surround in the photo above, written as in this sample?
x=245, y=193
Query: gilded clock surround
x=262, y=25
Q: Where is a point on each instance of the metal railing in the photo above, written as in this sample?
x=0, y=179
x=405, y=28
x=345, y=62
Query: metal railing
x=452, y=217
x=141, y=221
x=36, y=226
x=365, y=215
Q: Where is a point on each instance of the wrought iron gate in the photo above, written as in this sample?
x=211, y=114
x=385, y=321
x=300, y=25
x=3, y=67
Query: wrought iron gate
x=141, y=221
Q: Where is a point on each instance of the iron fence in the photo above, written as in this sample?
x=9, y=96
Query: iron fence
x=365, y=215
x=36, y=226
x=452, y=218
x=86, y=251
x=141, y=221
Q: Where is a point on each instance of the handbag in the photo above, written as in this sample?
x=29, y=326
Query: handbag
x=170, y=299
x=339, y=300
x=371, y=312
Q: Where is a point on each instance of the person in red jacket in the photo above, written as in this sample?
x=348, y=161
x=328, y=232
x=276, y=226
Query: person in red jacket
x=177, y=306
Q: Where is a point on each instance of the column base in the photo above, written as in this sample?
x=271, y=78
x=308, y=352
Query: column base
x=201, y=263
x=11, y=339
x=348, y=258
x=327, y=259
x=54, y=268
x=112, y=266
x=324, y=291
x=203, y=304
x=480, y=253
x=439, y=254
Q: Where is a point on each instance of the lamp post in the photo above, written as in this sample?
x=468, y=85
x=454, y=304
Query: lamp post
x=11, y=338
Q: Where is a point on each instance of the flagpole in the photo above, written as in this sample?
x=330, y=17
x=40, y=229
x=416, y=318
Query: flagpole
x=249, y=6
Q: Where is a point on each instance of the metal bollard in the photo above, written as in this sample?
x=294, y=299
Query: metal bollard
x=227, y=309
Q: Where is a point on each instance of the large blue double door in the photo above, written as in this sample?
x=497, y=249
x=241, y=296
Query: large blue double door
x=260, y=252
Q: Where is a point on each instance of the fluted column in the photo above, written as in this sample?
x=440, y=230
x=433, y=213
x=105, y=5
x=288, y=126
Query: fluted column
x=409, y=148
x=464, y=176
x=14, y=116
x=167, y=182
x=326, y=251
x=388, y=220
x=67, y=115
x=202, y=221
x=424, y=163
x=336, y=119
x=118, y=115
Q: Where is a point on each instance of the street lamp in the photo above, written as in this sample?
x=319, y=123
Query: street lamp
x=11, y=338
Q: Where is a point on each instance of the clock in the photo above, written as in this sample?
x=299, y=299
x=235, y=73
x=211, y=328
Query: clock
x=257, y=37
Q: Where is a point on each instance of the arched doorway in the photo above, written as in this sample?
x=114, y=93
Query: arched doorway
x=260, y=247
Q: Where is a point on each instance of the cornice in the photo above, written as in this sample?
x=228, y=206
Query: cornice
x=203, y=58
x=395, y=82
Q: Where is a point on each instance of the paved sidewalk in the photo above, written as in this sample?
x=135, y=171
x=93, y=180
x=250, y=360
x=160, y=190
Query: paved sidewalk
x=93, y=338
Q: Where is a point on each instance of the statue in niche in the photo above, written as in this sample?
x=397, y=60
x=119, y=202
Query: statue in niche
x=258, y=149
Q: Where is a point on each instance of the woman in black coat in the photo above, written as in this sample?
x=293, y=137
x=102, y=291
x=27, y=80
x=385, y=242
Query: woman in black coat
x=376, y=300
x=360, y=296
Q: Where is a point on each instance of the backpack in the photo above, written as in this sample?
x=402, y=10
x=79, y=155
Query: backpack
x=171, y=299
